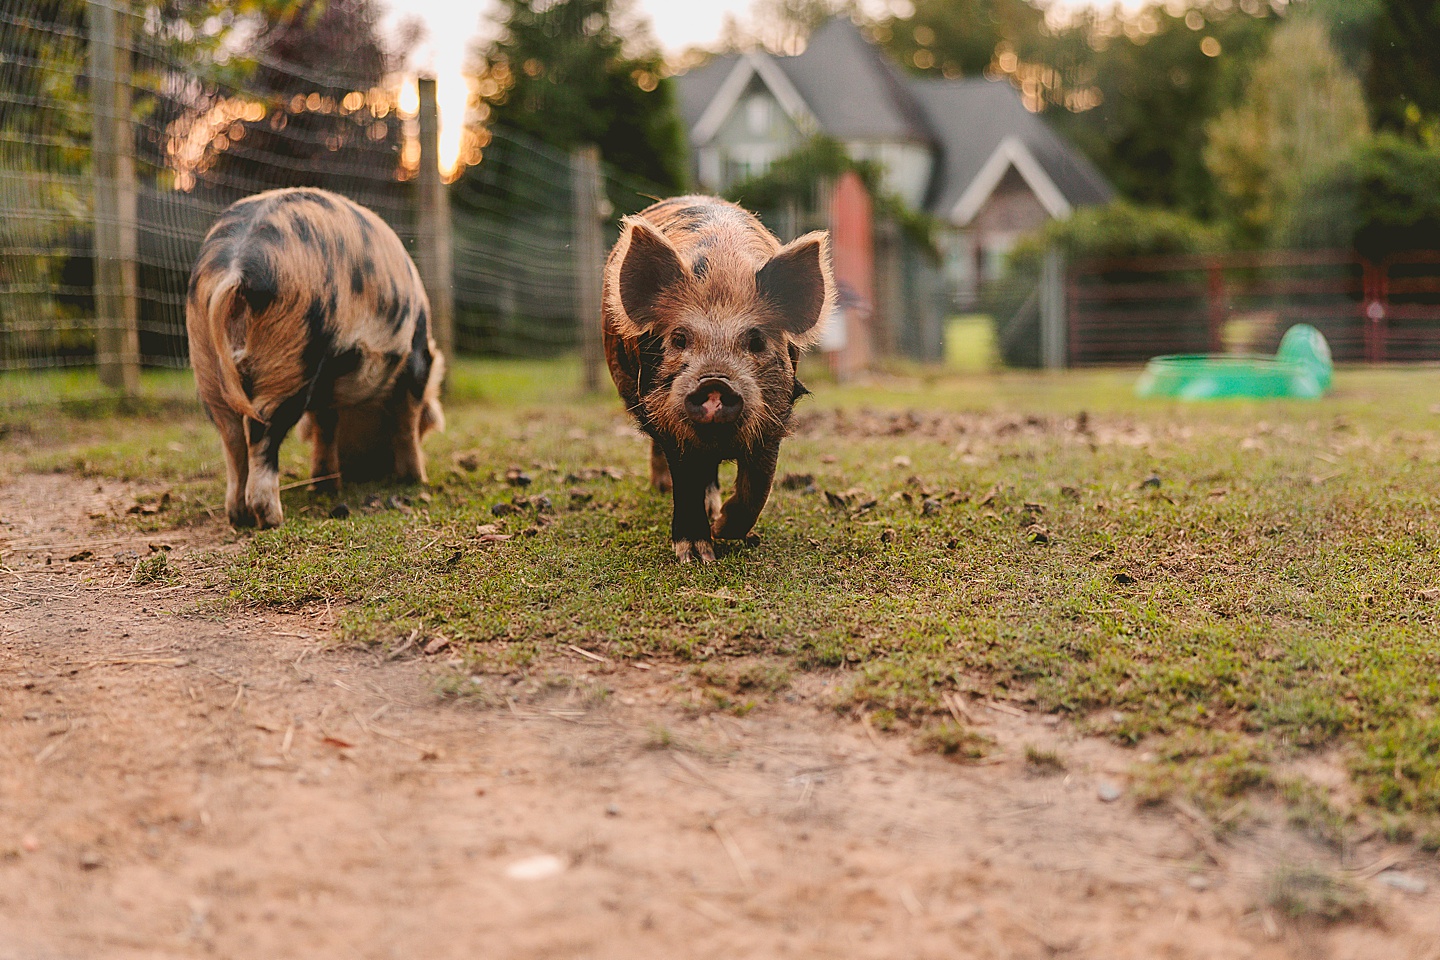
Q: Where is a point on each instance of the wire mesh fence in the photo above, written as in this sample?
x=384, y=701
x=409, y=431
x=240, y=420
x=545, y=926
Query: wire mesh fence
x=120, y=144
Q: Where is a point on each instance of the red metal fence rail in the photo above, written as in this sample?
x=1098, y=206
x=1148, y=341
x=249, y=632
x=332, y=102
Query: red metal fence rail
x=1128, y=310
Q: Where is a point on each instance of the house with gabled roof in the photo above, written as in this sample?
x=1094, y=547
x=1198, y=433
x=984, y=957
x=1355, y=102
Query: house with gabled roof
x=967, y=151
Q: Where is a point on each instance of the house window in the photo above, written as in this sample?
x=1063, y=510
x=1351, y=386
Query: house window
x=757, y=114
x=746, y=161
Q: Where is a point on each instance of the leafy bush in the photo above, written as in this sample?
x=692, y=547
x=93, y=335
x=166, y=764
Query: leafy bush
x=1382, y=198
x=1118, y=229
x=797, y=177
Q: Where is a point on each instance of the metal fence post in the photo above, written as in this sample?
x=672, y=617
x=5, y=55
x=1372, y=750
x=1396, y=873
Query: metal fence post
x=1054, y=341
x=117, y=308
x=587, y=191
x=434, y=252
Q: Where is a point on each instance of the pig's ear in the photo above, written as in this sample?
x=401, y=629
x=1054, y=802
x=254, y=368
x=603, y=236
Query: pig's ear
x=641, y=268
x=799, y=285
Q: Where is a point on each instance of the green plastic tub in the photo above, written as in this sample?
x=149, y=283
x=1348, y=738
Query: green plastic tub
x=1302, y=369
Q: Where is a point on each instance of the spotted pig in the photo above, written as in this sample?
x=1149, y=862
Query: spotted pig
x=705, y=315
x=305, y=304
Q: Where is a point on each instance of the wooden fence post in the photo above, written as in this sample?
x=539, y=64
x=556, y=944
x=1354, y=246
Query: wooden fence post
x=117, y=308
x=434, y=250
x=1054, y=343
x=590, y=210
x=889, y=290
x=1216, y=308
x=1375, y=307
x=1072, y=317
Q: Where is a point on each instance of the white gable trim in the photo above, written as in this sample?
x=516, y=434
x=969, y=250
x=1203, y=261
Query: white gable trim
x=1012, y=152
x=749, y=65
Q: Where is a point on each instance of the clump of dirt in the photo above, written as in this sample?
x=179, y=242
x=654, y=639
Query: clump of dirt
x=179, y=778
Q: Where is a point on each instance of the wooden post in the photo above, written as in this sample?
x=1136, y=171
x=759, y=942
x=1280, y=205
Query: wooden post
x=117, y=309
x=1217, y=310
x=1072, y=318
x=889, y=289
x=1053, y=340
x=590, y=209
x=1374, y=304
x=434, y=250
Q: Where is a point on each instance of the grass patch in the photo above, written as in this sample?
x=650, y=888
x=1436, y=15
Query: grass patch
x=1044, y=762
x=1230, y=584
x=1309, y=893
x=954, y=742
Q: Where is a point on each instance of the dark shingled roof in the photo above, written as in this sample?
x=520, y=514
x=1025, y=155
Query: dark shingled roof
x=852, y=89
x=855, y=93
x=696, y=88
x=972, y=117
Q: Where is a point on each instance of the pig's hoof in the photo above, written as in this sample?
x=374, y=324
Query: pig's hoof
x=267, y=515
x=240, y=517
x=687, y=551
x=719, y=532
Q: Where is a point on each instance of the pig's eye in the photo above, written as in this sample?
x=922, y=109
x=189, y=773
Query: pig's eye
x=755, y=342
x=679, y=340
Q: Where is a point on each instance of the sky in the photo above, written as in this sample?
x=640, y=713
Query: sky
x=452, y=26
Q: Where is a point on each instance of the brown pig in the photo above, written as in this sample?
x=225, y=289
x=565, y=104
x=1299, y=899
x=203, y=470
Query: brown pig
x=305, y=304
x=705, y=314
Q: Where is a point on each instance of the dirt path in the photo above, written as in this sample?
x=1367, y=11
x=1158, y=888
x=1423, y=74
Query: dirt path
x=179, y=784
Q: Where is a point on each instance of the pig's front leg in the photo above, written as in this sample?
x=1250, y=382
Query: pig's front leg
x=690, y=522
x=754, y=475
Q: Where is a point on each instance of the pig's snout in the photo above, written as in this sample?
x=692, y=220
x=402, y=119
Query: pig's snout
x=714, y=401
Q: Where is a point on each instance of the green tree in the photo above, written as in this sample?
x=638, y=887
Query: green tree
x=782, y=25
x=562, y=72
x=955, y=38
x=305, y=59
x=1302, y=112
x=802, y=176
x=1381, y=198
x=1393, y=46
x=1117, y=230
x=1133, y=91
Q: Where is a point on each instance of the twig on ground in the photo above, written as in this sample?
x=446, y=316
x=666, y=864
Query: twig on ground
x=1200, y=829
x=1379, y=866
x=426, y=753
x=131, y=661
x=737, y=856
x=693, y=769
x=49, y=750
x=957, y=709
x=309, y=480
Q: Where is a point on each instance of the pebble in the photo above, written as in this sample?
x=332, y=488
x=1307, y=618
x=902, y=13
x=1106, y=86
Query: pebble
x=1108, y=792
x=90, y=860
x=535, y=868
x=1198, y=882
x=340, y=511
x=612, y=810
x=1403, y=882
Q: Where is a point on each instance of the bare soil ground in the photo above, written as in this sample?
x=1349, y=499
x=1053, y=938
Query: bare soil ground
x=182, y=780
